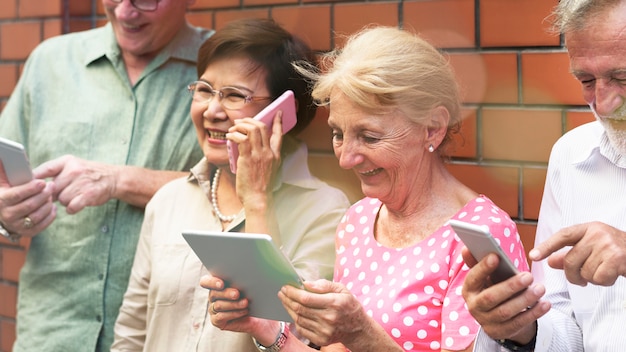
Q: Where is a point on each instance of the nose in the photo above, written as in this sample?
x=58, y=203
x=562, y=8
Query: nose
x=607, y=98
x=348, y=154
x=125, y=10
x=214, y=110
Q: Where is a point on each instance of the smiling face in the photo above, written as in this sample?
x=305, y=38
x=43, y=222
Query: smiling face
x=211, y=120
x=598, y=60
x=140, y=34
x=387, y=152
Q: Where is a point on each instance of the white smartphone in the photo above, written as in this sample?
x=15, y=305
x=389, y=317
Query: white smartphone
x=285, y=103
x=480, y=242
x=15, y=162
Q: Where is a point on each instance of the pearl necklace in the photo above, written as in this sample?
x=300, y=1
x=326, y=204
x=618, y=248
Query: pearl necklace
x=219, y=214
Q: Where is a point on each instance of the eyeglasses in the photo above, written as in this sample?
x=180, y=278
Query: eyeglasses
x=231, y=98
x=142, y=5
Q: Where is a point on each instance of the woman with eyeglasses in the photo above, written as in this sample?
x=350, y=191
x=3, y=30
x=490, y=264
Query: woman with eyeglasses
x=241, y=69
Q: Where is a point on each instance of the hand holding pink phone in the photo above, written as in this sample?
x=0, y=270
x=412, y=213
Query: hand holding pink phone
x=285, y=103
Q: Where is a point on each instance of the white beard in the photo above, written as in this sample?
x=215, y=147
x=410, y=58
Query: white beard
x=615, y=127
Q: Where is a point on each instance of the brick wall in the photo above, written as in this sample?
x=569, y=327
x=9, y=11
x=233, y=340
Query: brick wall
x=519, y=96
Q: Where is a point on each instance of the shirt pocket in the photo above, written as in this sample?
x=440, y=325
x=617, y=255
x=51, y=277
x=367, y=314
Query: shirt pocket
x=168, y=262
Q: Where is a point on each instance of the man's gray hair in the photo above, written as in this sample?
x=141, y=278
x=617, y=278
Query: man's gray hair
x=572, y=15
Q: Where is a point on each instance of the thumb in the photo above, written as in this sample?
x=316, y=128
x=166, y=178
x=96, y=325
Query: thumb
x=323, y=286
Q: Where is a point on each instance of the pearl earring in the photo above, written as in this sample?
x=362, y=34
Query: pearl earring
x=431, y=148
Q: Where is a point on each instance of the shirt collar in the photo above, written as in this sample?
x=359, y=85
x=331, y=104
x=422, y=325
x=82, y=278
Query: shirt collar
x=600, y=146
x=184, y=46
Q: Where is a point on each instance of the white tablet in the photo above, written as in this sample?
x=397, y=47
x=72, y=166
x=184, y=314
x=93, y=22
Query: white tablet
x=15, y=161
x=252, y=263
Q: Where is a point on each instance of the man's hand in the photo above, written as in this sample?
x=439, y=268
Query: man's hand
x=597, y=256
x=507, y=310
x=79, y=183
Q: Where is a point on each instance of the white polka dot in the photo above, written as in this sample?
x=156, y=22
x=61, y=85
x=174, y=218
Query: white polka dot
x=443, y=284
x=412, y=297
x=354, y=241
x=434, y=268
x=444, y=244
x=431, y=242
x=370, y=313
x=373, y=266
x=341, y=250
x=349, y=228
x=403, y=259
x=349, y=285
x=507, y=232
x=436, y=302
x=419, y=263
x=435, y=345
x=449, y=342
x=392, y=294
x=464, y=331
x=432, y=254
x=405, y=283
x=380, y=304
x=358, y=209
x=433, y=323
x=363, y=220
x=397, y=307
x=343, y=261
x=454, y=316
x=408, y=346
x=446, y=233
x=356, y=251
x=417, y=250
x=458, y=290
x=392, y=282
x=369, y=252
x=408, y=321
x=429, y=290
x=365, y=289
x=422, y=334
x=378, y=280
x=475, y=218
x=422, y=310
x=366, y=301
x=361, y=276
x=406, y=272
x=395, y=332
x=446, y=301
x=357, y=263
x=386, y=256
x=462, y=214
x=478, y=209
x=391, y=269
x=385, y=318
x=366, y=230
x=419, y=276
x=346, y=272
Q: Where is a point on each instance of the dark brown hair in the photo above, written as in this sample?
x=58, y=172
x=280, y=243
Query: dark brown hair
x=274, y=50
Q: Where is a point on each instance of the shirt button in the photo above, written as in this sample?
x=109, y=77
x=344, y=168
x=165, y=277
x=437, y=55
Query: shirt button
x=99, y=318
x=100, y=276
x=196, y=325
x=104, y=229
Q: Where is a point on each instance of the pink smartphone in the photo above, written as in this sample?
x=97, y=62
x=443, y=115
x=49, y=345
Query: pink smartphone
x=285, y=103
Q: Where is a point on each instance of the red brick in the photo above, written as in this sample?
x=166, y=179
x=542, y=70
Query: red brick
x=533, y=180
x=500, y=184
x=8, y=72
x=223, y=17
x=80, y=7
x=487, y=77
x=445, y=23
x=8, y=8
x=214, y=4
x=298, y=20
x=18, y=39
x=8, y=303
x=546, y=79
x=463, y=144
x=268, y=2
x=7, y=334
x=575, y=118
x=52, y=28
x=12, y=261
x=516, y=23
x=519, y=135
x=38, y=8
x=527, y=234
x=78, y=25
x=350, y=18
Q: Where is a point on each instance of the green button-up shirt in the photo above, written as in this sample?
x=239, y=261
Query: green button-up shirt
x=74, y=97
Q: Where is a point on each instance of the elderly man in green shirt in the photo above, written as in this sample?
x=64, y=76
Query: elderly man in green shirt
x=100, y=113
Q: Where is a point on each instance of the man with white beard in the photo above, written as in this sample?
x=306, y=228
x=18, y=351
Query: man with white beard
x=578, y=299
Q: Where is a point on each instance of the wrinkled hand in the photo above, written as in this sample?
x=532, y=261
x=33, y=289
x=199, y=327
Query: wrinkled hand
x=79, y=183
x=226, y=309
x=325, y=312
x=33, y=200
x=259, y=156
x=598, y=255
x=502, y=309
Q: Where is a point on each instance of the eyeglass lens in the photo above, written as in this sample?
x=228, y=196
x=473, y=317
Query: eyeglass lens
x=230, y=98
x=143, y=5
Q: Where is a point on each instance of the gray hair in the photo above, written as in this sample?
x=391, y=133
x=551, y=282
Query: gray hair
x=572, y=15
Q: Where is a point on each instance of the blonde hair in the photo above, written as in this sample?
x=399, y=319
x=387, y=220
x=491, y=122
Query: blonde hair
x=381, y=69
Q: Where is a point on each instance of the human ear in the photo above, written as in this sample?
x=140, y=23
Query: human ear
x=437, y=126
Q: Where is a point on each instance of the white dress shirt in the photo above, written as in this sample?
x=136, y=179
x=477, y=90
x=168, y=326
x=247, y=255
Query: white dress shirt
x=586, y=181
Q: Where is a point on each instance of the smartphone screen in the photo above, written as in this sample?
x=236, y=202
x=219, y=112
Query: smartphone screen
x=480, y=242
x=285, y=103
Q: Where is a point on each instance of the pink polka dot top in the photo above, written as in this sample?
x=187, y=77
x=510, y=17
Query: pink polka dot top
x=415, y=292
